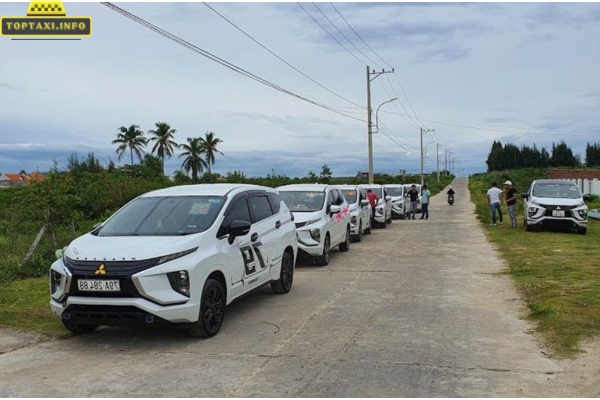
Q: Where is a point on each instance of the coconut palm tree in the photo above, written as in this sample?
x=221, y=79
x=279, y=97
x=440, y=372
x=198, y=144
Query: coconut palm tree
x=210, y=142
x=163, y=135
x=131, y=138
x=193, y=152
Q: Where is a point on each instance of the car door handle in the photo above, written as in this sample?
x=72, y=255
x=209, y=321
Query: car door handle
x=277, y=224
x=254, y=237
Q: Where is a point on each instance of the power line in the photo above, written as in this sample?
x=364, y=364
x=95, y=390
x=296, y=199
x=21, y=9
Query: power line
x=346, y=37
x=410, y=122
x=322, y=27
x=221, y=61
x=356, y=33
x=281, y=59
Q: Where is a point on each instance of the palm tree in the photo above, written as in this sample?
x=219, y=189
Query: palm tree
x=210, y=142
x=132, y=138
x=193, y=153
x=164, y=145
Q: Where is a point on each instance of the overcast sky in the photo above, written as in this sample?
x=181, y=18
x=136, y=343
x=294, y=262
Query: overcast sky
x=521, y=72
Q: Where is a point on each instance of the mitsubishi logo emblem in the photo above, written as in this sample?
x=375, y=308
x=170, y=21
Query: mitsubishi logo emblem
x=558, y=208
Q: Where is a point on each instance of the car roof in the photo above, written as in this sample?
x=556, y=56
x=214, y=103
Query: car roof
x=345, y=187
x=371, y=185
x=394, y=185
x=555, y=181
x=205, y=189
x=304, y=187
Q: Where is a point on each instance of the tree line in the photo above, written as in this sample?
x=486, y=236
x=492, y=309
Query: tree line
x=510, y=156
x=198, y=153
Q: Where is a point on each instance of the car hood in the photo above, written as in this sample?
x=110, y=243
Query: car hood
x=557, y=201
x=122, y=248
x=300, y=217
x=396, y=198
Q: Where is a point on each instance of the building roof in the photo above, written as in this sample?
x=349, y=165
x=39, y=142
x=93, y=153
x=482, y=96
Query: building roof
x=14, y=177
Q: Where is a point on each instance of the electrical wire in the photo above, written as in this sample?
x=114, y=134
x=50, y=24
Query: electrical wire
x=410, y=122
x=333, y=37
x=281, y=59
x=221, y=61
x=346, y=37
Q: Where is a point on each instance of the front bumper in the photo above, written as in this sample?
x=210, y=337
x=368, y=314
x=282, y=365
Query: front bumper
x=544, y=216
x=309, y=246
x=557, y=221
x=122, y=311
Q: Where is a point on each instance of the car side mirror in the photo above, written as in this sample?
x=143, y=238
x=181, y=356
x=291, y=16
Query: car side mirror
x=59, y=253
x=335, y=209
x=586, y=197
x=388, y=198
x=238, y=228
x=525, y=196
x=364, y=203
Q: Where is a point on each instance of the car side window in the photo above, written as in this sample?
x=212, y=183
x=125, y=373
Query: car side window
x=237, y=211
x=275, y=201
x=261, y=209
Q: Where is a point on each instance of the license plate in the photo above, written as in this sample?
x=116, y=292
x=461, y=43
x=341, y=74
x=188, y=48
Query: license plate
x=558, y=213
x=89, y=285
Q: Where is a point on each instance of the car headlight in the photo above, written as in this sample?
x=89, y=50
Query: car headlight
x=312, y=221
x=55, y=280
x=174, y=256
x=583, y=213
x=180, y=282
x=532, y=211
x=315, y=234
x=353, y=219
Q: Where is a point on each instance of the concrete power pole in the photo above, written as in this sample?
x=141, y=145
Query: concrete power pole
x=369, y=112
x=437, y=153
x=422, y=132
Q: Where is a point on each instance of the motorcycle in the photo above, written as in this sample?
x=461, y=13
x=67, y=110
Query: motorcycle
x=450, y=199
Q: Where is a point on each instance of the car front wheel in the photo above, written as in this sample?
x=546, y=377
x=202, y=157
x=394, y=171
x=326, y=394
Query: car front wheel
x=286, y=276
x=212, y=310
x=324, y=258
x=345, y=245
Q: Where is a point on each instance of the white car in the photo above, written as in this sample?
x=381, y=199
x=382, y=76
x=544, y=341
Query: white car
x=360, y=210
x=322, y=218
x=555, y=202
x=176, y=255
x=400, y=204
x=383, y=210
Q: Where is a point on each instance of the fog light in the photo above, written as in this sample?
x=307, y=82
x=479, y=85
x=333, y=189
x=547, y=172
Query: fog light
x=55, y=279
x=315, y=234
x=180, y=282
x=353, y=219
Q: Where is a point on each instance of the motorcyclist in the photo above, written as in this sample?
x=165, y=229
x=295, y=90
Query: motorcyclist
x=450, y=192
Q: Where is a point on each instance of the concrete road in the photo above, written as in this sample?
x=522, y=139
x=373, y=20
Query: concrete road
x=419, y=309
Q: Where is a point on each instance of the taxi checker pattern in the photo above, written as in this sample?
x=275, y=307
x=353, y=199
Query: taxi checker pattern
x=53, y=8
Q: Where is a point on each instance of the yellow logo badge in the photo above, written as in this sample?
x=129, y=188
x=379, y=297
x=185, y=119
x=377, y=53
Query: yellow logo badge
x=100, y=270
x=46, y=19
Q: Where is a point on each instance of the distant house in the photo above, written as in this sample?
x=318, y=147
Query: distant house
x=11, y=180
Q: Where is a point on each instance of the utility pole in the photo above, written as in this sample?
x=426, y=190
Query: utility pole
x=369, y=111
x=422, y=132
x=445, y=161
x=437, y=153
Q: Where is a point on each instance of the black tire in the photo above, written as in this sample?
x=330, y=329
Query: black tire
x=383, y=225
x=286, y=277
x=403, y=215
x=368, y=230
x=528, y=228
x=358, y=237
x=582, y=231
x=212, y=310
x=345, y=245
x=79, y=328
x=323, y=259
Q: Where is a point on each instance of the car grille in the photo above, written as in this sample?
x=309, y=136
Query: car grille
x=550, y=208
x=121, y=270
x=109, y=315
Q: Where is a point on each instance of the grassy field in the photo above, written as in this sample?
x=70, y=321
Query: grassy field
x=555, y=271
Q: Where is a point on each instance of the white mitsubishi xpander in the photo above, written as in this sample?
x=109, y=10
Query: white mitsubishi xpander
x=176, y=255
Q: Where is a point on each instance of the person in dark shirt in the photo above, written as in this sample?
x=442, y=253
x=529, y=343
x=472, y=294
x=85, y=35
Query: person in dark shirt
x=511, y=203
x=414, y=197
x=450, y=192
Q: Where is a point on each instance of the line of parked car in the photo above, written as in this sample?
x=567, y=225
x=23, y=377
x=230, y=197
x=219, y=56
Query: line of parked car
x=182, y=254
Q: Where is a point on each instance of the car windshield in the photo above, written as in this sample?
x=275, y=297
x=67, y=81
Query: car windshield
x=377, y=191
x=395, y=191
x=350, y=195
x=303, y=201
x=164, y=216
x=409, y=187
x=556, y=191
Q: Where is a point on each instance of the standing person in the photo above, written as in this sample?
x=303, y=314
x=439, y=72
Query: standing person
x=414, y=197
x=425, y=193
x=493, y=196
x=373, y=200
x=511, y=203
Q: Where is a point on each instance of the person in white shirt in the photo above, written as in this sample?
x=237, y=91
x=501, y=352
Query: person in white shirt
x=493, y=195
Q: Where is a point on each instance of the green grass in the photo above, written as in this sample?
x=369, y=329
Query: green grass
x=555, y=271
x=26, y=307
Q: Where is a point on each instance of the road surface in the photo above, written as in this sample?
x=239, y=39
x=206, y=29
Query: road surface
x=420, y=309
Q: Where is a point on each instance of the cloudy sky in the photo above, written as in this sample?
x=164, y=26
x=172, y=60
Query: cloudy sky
x=474, y=72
